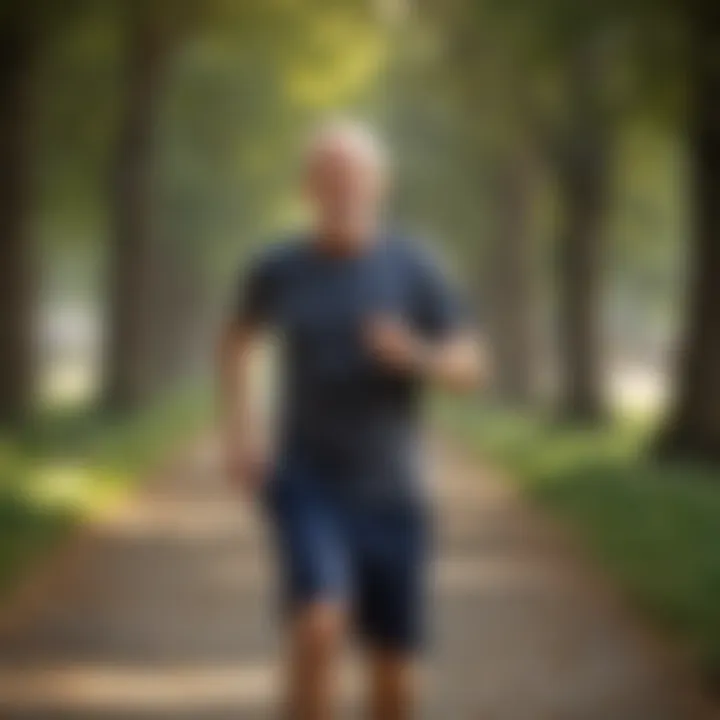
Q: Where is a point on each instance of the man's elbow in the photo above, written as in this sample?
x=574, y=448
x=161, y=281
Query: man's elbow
x=233, y=346
x=468, y=369
x=466, y=377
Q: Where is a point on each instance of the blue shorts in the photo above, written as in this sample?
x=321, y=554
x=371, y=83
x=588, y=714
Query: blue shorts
x=370, y=556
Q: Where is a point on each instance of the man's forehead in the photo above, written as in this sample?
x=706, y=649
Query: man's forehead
x=350, y=141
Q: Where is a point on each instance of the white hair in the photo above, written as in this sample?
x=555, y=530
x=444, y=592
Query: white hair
x=353, y=136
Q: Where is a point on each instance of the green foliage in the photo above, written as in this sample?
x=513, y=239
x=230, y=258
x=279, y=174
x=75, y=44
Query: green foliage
x=655, y=527
x=241, y=82
x=73, y=466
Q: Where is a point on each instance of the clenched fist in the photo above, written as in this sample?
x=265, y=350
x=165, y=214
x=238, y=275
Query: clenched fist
x=395, y=345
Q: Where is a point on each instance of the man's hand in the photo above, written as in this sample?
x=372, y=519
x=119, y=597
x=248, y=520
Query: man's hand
x=395, y=345
x=246, y=464
x=455, y=362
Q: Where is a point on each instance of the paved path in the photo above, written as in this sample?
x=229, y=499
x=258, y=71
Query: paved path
x=171, y=618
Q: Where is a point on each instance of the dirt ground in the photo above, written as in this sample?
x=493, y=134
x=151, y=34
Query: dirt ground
x=170, y=615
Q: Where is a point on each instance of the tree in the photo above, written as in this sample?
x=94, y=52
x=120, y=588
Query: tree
x=582, y=161
x=693, y=428
x=18, y=54
x=482, y=185
x=134, y=261
x=156, y=273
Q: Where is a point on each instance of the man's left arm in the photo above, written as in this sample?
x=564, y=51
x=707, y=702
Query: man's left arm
x=440, y=344
x=455, y=361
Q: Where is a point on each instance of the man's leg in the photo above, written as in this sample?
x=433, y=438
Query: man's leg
x=391, y=575
x=393, y=686
x=316, y=636
x=315, y=574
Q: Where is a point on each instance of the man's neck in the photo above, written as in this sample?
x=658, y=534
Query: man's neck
x=336, y=243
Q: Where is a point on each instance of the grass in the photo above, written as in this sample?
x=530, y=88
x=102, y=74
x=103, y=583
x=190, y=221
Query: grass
x=71, y=466
x=655, y=527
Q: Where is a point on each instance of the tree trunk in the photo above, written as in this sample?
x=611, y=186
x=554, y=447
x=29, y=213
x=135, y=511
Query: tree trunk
x=512, y=307
x=17, y=50
x=134, y=261
x=583, y=171
x=693, y=429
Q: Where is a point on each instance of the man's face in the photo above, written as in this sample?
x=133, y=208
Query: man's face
x=345, y=187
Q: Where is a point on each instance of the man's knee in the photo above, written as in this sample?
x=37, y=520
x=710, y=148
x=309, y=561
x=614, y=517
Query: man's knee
x=318, y=630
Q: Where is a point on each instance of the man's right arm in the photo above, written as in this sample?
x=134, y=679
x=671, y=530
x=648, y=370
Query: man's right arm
x=241, y=427
x=242, y=443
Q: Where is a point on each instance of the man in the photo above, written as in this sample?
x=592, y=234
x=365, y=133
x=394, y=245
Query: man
x=365, y=318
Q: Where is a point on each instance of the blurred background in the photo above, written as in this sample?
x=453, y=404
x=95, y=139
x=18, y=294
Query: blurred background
x=564, y=154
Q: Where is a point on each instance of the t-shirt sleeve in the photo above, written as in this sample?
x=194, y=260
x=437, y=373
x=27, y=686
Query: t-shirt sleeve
x=255, y=292
x=440, y=306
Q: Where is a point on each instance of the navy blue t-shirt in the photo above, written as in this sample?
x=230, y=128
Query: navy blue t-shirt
x=342, y=410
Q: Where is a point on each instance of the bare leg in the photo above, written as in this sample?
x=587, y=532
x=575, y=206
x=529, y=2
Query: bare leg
x=393, y=686
x=316, y=635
